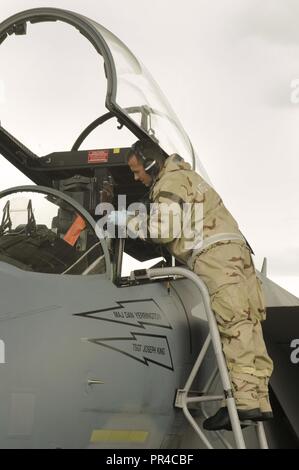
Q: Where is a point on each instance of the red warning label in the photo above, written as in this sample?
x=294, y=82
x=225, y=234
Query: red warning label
x=98, y=156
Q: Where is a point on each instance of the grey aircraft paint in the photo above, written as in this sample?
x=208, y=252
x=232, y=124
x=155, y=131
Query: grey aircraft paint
x=85, y=359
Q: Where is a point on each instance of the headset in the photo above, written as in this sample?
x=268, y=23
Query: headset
x=152, y=162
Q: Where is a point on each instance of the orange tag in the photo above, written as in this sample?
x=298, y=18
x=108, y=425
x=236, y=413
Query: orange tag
x=75, y=230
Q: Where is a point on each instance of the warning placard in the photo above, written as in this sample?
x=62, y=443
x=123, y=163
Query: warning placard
x=98, y=156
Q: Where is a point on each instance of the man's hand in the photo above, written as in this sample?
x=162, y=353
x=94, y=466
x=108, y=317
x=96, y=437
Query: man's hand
x=119, y=218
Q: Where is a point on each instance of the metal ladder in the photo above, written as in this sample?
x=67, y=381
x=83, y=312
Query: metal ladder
x=183, y=399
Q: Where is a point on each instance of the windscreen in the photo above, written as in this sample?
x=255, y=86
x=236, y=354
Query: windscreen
x=140, y=98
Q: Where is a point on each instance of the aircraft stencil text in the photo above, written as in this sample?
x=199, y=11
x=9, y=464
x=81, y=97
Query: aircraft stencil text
x=295, y=352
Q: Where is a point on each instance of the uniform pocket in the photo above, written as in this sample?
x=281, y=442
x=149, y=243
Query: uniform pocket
x=230, y=304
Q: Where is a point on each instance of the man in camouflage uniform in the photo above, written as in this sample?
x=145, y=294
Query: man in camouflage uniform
x=223, y=261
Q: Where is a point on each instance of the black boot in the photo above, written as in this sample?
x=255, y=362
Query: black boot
x=221, y=419
x=266, y=415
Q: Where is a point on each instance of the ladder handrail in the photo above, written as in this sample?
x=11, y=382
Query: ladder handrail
x=216, y=342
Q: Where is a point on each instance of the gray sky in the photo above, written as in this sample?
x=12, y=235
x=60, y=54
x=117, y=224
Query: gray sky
x=226, y=66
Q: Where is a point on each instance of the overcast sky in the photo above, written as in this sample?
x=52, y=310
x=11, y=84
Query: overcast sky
x=226, y=66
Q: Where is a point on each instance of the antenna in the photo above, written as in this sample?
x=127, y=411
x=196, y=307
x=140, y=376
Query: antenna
x=264, y=267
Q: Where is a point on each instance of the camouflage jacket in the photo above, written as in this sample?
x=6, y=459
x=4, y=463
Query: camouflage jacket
x=199, y=217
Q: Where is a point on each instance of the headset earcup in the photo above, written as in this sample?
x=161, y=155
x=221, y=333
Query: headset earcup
x=153, y=168
x=149, y=165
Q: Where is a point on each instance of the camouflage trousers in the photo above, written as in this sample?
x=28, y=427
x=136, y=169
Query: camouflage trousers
x=238, y=303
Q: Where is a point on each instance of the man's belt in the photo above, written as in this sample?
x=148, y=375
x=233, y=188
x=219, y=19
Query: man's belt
x=219, y=237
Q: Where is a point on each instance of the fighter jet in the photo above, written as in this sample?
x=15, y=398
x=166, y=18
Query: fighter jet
x=90, y=357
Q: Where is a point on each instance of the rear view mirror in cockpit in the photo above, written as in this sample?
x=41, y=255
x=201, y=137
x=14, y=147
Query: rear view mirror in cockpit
x=43, y=233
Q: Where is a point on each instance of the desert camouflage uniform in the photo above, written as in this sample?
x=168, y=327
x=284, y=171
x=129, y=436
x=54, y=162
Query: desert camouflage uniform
x=224, y=263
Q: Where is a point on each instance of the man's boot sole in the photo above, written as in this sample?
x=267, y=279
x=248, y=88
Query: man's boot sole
x=266, y=415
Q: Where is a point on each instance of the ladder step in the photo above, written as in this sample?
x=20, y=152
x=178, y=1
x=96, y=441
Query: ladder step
x=205, y=398
x=198, y=397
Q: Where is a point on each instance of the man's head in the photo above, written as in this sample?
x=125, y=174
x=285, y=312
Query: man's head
x=145, y=160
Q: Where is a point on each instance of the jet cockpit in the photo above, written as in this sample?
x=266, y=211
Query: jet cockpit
x=98, y=175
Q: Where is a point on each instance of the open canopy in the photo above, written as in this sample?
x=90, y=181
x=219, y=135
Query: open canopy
x=132, y=96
